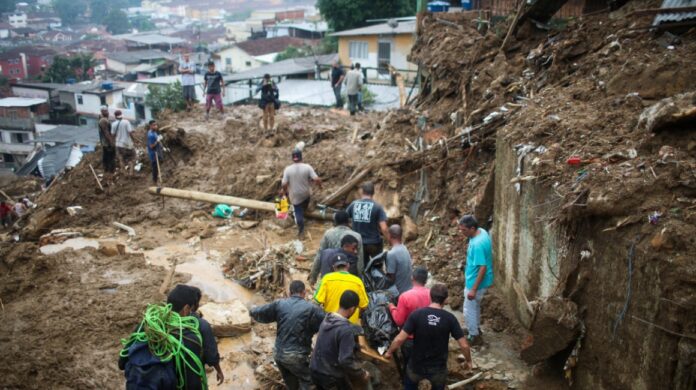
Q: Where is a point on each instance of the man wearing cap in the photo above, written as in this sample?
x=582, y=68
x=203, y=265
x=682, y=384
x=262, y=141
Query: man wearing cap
x=107, y=142
x=296, y=183
x=333, y=284
x=122, y=131
x=478, y=274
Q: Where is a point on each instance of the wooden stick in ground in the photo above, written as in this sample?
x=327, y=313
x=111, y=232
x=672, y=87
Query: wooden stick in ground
x=346, y=188
x=168, y=280
x=96, y=177
x=159, y=171
x=464, y=382
x=513, y=26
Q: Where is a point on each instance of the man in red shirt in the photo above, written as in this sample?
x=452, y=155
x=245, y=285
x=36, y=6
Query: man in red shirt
x=5, y=214
x=413, y=299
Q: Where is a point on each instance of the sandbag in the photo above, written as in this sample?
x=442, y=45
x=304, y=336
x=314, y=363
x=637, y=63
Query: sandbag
x=378, y=325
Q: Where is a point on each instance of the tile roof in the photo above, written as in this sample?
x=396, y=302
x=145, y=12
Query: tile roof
x=259, y=47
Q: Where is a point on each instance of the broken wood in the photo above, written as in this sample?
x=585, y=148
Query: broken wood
x=168, y=279
x=367, y=351
x=96, y=178
x=464, y=382
x=6, y=196
x=513, y=26
x=355, y=133
x=228, y=200
x=652, y=11
x=346, y=188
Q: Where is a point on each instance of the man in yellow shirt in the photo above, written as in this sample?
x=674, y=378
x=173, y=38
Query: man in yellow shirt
x=333, y=284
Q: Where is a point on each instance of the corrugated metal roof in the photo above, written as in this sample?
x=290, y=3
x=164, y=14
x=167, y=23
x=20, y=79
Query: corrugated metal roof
x=288, y=67
x=675, y=16
x=20, y=102
x=407, y=27
x=83, y=135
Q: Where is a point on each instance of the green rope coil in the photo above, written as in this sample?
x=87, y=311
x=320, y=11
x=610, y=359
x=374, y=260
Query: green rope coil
x=163, y=331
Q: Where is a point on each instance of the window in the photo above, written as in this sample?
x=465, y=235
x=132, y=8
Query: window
x=17, y=138
x=357, y=49
x=79, y=99
x=102, y=100
x=12, y=114
x=248, y=63
x=228, y=61
x=83, y=121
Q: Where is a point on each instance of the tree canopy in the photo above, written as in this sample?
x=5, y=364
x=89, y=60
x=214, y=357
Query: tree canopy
x=165, y=97
x=116, y=22
x=63, y=68
x=347, y=14
x=70, y=11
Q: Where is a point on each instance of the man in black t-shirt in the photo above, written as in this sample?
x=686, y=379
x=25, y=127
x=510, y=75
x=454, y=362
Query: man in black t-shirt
x=369, y=220
x=431, y=328
x=214, y=88
x=337, y=76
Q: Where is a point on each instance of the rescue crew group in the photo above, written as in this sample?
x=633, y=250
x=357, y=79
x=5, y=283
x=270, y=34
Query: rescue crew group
x=333, y=315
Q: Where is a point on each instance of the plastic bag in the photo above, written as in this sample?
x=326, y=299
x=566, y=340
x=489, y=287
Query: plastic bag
x=378, y=325
x=223, y=211
x=374, y=277
x=282, y=207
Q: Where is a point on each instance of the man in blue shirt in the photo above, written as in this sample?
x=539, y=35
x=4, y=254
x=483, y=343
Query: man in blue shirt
x=154, y=150
x=478, y=274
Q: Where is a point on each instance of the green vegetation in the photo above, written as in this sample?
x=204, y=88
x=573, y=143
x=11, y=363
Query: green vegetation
x=64, y=68
x=165, y=97
x=70, y=11
x=346, y=14
x=116, y=22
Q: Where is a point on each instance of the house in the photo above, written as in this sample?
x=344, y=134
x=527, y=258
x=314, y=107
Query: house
x=43, y=20
x=23, y=32
x=58, y=36
x=86, y=99
x=17, y=19
x=254, y=53
x=55, y=149
x=304, y=30
x=306, y=68
x=141, y=64
x=12, y=65
x=379, y=46
x=5, y=30
x=18, y=117
x=151, y=41
x=26, y=62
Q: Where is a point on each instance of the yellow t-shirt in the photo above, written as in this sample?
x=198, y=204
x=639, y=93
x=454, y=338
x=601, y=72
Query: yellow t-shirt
x=332, y=286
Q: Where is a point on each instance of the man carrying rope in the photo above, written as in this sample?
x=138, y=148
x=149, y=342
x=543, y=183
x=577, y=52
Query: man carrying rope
x=170, y=346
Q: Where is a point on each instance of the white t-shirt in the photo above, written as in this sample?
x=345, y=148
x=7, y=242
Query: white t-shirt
x=188, y=78
x=121, y=130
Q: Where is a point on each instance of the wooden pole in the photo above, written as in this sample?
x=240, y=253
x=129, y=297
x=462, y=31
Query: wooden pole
x=228, y=200
x=464, y=382
x=96, y=177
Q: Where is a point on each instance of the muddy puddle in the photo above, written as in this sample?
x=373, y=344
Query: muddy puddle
x=73, y=243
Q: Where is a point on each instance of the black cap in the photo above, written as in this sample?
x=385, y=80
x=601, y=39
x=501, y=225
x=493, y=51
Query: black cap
x=338, y=259
x=296, y=155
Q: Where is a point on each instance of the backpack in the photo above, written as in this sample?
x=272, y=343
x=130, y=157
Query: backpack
x=145, y=371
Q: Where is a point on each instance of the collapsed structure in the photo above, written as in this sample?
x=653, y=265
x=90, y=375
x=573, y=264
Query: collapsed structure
x=575, y=146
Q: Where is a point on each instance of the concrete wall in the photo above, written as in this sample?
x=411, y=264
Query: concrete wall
x=400, y=48
x=31, y=93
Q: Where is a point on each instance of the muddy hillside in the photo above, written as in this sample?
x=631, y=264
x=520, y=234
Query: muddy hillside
x=573, y=144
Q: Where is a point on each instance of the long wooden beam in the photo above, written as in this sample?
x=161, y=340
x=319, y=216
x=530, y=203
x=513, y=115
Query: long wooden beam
x=228, y=200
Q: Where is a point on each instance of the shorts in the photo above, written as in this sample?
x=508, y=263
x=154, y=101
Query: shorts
x=189, y=92
x=209, y=98
x=126, y=154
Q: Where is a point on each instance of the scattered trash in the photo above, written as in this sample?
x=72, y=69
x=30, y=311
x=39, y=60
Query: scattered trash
x=282, y=207
x=224, y=211
x=654, y=218
x=574, y=160
x=73, y=210
x=138, y=167
x=554, y=118
x=130, y=230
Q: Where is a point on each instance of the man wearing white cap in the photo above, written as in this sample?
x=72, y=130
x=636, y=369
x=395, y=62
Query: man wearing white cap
x=122, y=131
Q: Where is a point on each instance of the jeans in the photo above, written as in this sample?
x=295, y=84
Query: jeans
x=337, y=94
x=109, y=159
x=295, y=371
x=213, y=97
x=472, y=311
x=437, y=378
x=360, y=100
x=353, y=103
x=299, y=214
x=327, y=382
x=406, y=352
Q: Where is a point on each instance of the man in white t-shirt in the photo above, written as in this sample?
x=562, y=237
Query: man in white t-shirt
x=297, y=180
x=122, y=131
x=188, y=80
